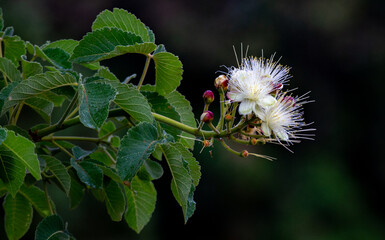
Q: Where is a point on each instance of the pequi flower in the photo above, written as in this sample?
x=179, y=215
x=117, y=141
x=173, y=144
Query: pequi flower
x=284, y=118
x=253, y=83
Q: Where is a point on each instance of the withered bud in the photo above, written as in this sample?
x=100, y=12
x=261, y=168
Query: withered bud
x=228, y=118
x=207, y=116
x=208, y=97
x=221, y=82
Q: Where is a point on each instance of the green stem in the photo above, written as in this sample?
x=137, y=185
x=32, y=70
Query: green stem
x=47, y=198
x=228, y=148
x=234, y=110
x=71, y=138
x=68, y=110
x=149, y=56
x=119, y=112
x=63, y=149
x=18, y=113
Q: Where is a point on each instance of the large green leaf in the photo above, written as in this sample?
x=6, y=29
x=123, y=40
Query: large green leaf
x=14, y=48
x=20, y=149
x=12, y=170
x=122, y=20
x=193, y=165
x=89, y=173
x=76, y=193
x=18, y=216
x=42, y=106
x=59, y=57
x=38, y=84
x=159, y=104
x=30, y=68
x=37, y=198
x=94, y=100
x=184, y=109
x=68, y=45
x=107, y=43
x=182, y=182
x=9, y=70
x=52, y=228
x=115, y=201
x=133, y=102
x=58, y=170
x=136, y=146
x=168, y=72
x=141, y=199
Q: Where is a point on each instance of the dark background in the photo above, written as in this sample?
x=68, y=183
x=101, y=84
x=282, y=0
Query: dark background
x=330, y=188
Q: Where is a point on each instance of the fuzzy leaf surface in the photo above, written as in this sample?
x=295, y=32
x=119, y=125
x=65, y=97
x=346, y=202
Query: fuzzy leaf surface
x=168, y=72
x=107, y=43
x=18, y=216
x=141, y=199
x=57, y=169
x=115, y=201
x=136, y=146
x=122, y=20
x=14, y=48
x=9, y=70
x=94, y=100
x=89, y=173
x=37, y=198
x=51, y=228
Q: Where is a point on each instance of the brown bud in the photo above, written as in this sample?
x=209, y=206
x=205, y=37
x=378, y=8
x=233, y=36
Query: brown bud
x=228, y=118
x=221, y=82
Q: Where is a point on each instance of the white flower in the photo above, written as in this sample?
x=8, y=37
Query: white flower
x=284, y=118
x=253, y=83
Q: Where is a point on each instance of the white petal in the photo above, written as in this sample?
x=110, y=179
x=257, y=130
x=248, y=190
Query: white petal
x=265, y=129
x=246, y=107
x=234, y=96
x=281, y=134
x=259, y=112
x=267, y=101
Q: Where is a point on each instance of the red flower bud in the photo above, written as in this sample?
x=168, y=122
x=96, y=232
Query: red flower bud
x=206, y=143
x=253, y=141
x=244, y=153
x=208, y=97
x=221, y=82
x=207, y=116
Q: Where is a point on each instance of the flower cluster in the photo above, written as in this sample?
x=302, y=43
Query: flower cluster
x=257, y=86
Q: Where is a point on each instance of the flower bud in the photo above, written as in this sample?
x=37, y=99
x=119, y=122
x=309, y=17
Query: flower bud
x=244, y=153
x=208, y=97
x=253, y=141
x=207, y=116
x=221, y=82
x=228, y=118
x=206, y=143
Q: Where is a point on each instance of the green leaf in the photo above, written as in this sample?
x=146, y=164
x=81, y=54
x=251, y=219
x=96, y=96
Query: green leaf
x=59, y=171
x=89, y=173
x=94, y=99
x=160, y=105
x=37, y=198
x=68, y=45
x=18, y=216
x=104, y=72
x=115, y=201
x=136, y=146
x=182, y=182
x=160, y=48
x=141, y=199
x=133, y=102
x=3, y=134
x=100, y=156
x=30, y=68
x=59, y=57
x=14, y=48
x=9, y=70
x=107, y=128
x=193, y=165
x=38, y=84
x=42, y=106
x=4, y=94
x=107, y=43
x=80, y=153
x=51, y=228
x=154, y=169
x=56, y=99
x=76, y=193
x=184, y=109
x=168, y=72
x=20, y=149
x=122, y=20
